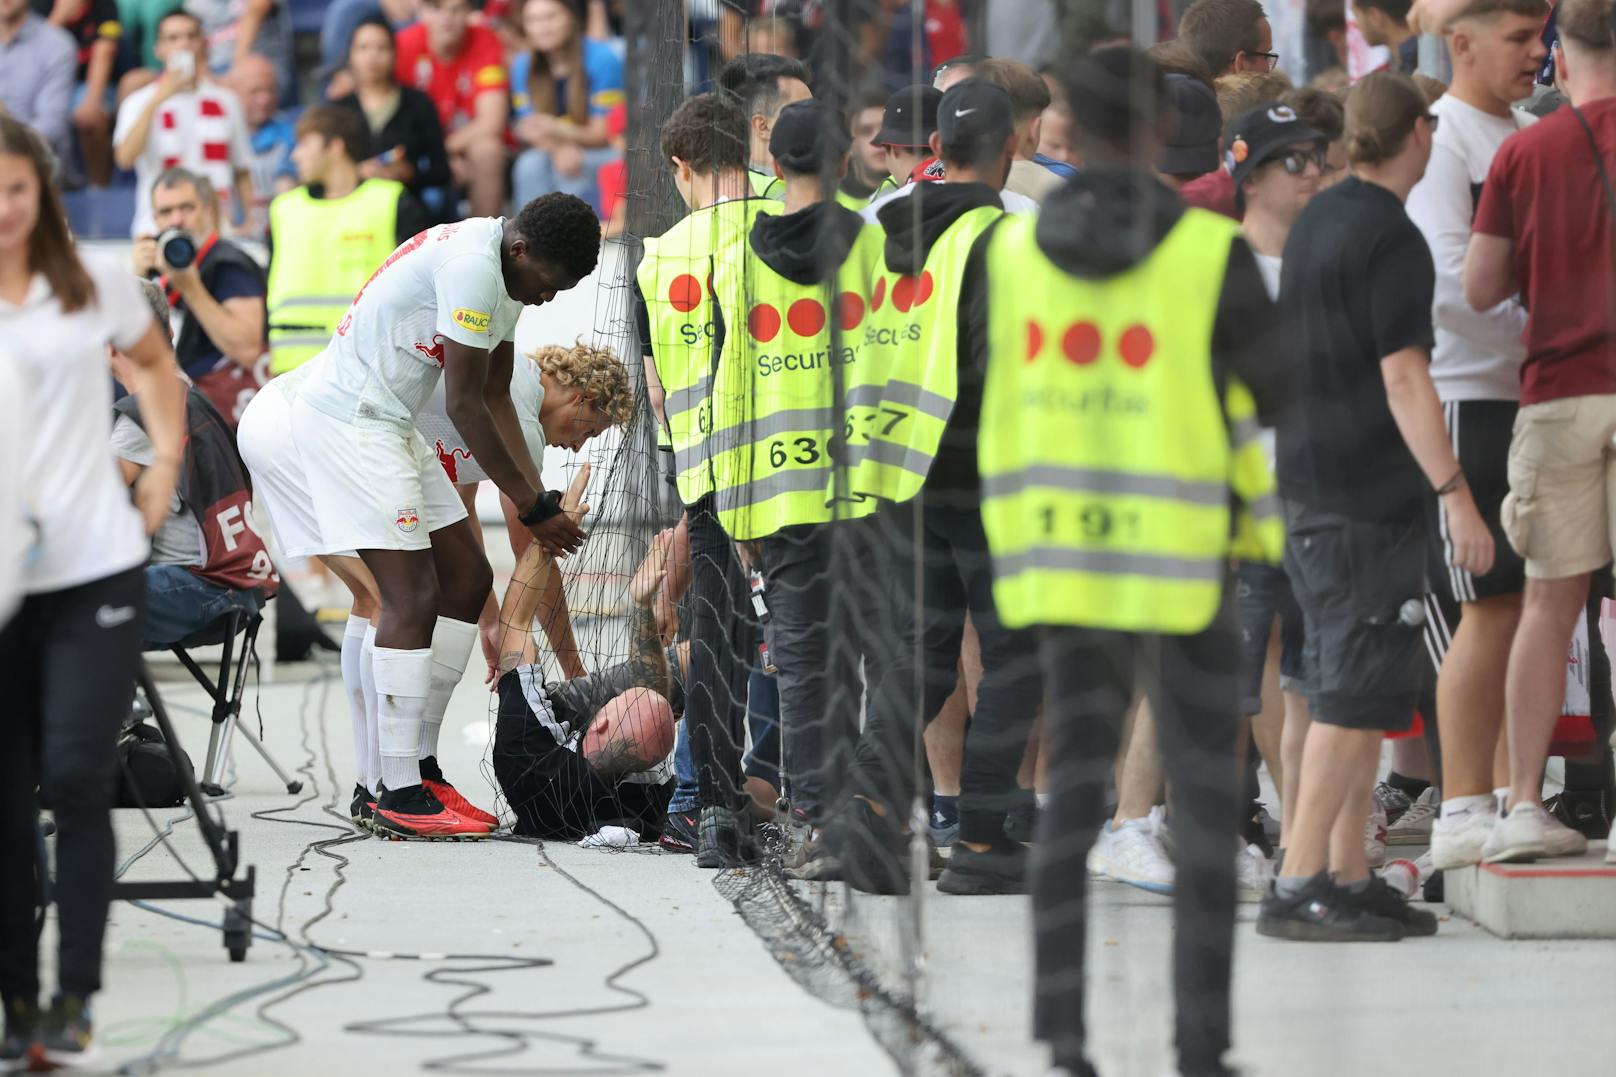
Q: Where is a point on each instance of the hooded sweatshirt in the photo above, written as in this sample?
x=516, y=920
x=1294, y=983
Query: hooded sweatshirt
x=1106, y=221
x=913, y=226
x=808, y=246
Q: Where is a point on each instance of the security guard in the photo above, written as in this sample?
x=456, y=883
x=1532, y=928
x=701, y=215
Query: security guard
x=705, y=144
x=913, y=445
x=328, y=236
x=796, y=296
x=1117, y=450
x=763, y=83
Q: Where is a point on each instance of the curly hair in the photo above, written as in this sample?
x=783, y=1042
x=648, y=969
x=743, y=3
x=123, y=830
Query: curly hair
x=561, y=228
x=596, y=373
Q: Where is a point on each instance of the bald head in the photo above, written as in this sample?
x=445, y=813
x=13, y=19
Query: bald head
x=257, y=83
x=632, y=732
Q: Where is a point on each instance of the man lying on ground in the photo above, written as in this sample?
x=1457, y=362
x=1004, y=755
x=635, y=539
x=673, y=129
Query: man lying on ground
x=587, y=753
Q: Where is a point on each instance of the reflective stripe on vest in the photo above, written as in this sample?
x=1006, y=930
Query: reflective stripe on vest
x=325, y=249
x=912, y=348
x=1109, y=462
x=777, y=428
x=675, y=279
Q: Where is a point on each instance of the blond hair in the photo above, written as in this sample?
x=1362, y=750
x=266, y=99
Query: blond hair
x=597, y=374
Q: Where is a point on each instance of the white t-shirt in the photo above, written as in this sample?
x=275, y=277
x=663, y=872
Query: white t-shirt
x=1478, y=354
x=387, y=355
x=1012, y=202
x=16, y=434
x=85, y=526
x=202, y=130
x=1268, y=268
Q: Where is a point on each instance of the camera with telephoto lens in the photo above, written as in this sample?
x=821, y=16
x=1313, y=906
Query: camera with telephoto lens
x=177, y=248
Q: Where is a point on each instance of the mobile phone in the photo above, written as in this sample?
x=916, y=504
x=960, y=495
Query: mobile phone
x=183, y=64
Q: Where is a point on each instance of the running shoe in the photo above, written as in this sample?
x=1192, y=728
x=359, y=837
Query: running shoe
x=1323, y=912
x=414, y=813
x=1374, y=841
x=723, y=839
x=1392, y=800
x=679, y=832
x=1133, y=853
x=66, y=1036
x=1530, y=833
x=1253, y=873
x=1457, y=841
x=999, y=869
x=1379, y=899
x=435, y=783
x=872, y=849
x=362, y=809
x=22, y=1025
x=1412, y=826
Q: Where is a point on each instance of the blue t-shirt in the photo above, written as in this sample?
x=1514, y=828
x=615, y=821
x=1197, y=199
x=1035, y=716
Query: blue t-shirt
x=602, y=67
x=1060, y=168
x=272, y=153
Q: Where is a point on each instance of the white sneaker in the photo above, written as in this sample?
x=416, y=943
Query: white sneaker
x=1413, y=827
x=1457, y=841
x=1253, y=874
x=1132, y=853
x=1530, y=833
x=1374, y=839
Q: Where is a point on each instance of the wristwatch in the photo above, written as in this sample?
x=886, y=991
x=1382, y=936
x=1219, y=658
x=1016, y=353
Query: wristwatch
x=547, y=505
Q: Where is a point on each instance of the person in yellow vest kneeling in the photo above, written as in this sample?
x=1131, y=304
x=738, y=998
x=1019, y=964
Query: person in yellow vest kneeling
x=328, y=236
x=1121, y=332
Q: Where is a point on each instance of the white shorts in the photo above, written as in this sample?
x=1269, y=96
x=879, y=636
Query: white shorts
x=371, y=489
x=265, y=440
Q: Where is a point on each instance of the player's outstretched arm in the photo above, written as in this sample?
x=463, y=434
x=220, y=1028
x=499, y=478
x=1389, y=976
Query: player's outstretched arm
x=648, y=664
x=525, y=595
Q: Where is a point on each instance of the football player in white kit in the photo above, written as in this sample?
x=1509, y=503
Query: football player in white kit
x=445, y=303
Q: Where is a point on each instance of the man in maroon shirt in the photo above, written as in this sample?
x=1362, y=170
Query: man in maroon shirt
x=1544, y=228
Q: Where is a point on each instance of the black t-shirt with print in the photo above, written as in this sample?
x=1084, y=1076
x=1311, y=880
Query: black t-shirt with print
x=1356, y=286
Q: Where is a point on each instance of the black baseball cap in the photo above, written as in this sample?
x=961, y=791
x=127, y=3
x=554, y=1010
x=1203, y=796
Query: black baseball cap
x=1193, y=148
x=911, y=117
x=808, y=136
x=1260, y=134
x=975, y=111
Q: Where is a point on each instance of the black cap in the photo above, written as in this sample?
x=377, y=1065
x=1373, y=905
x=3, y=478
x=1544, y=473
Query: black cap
x=1193, y=148
x=973, y=112
x=1260, y=134
x=911, y=117
x=808, y=136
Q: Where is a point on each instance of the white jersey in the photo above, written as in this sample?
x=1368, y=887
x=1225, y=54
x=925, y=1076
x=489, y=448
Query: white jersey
x=1010, y=200
x=527, y=397
x=387, y=355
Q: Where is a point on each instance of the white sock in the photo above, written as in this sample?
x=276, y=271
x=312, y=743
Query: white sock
x=452, y=642
x=1502, y=796
x=372, y=759
x=353, y=644
x=1042, y=798
x=402, y=680
x=1454, y=807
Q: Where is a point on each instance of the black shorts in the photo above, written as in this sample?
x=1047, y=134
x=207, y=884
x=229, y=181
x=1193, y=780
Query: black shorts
x=1480, y=431
x=1359, y=584
x=1261, y=593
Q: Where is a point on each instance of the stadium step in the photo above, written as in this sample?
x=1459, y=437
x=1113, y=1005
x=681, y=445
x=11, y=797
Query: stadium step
x=1569, y=898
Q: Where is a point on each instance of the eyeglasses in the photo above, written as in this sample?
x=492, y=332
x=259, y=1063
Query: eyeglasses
x=1295, y=162
x=1271, y=57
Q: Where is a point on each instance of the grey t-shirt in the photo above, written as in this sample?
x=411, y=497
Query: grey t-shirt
x=179, y=540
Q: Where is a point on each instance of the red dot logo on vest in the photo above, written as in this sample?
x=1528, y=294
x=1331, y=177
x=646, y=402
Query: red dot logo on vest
x=880, y=294
x=852, y=311
x=909, y=293
x=763, y=323
x=806, y=317
x=684, y=293
x=1082, y=343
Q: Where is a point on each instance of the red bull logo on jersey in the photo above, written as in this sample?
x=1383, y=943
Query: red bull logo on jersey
x=433, y=351
x=407, y=520
x=450, y=459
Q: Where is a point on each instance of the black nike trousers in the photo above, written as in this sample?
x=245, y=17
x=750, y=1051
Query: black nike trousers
x=68, y=663
x=1194, y=687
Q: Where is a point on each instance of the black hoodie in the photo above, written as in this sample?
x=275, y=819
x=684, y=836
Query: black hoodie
x=914, y=224
x=1103, y=222
x=808, y=246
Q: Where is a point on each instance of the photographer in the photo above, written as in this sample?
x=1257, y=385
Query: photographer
x=214, y=286
x=70, y=654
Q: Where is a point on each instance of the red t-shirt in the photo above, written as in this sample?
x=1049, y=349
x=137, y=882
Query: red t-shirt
x=453, y=83
x=1543, y=193
x=1213, y=191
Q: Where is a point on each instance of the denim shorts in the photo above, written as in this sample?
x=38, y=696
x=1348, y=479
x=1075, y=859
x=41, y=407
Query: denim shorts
x=1261, y=593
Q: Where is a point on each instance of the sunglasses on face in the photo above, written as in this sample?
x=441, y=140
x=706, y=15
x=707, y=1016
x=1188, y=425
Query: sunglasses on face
x=1295, y=162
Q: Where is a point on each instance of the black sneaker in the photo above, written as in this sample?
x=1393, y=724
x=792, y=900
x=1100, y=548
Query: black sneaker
x=66, y=1033
x=1021, y=823
x=723, y=839
x=871, y=848
x=1323, y=912
x=362, y=809
x=1002, y=869
x=1378, y=899
x=22, y=1026
x=679, y=832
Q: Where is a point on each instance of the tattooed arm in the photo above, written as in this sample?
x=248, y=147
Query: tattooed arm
x=648, y=665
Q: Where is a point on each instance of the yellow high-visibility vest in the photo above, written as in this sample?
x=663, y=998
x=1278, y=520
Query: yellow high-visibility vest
x=1110, y=462
x=325, y=250
x=675, y=279
x=898, y=416
x=765, y=185
x=777, y=422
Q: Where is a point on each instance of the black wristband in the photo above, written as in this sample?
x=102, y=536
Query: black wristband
x=548, y=505
x=1452, y=484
